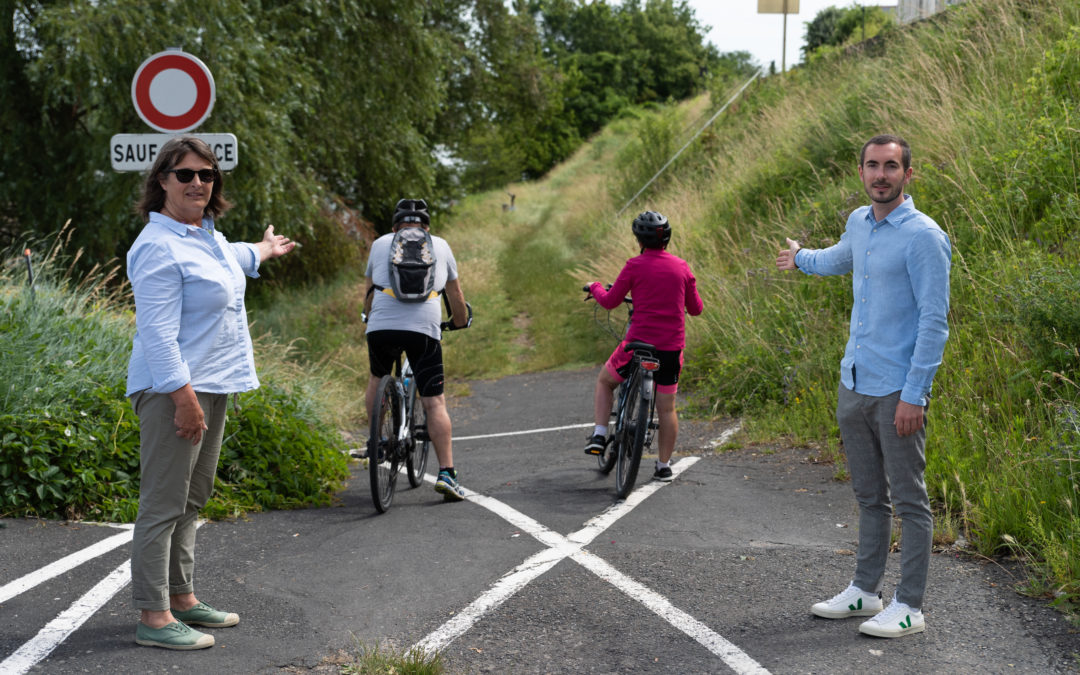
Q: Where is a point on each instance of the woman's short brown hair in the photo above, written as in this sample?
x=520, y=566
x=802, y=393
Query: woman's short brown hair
x=153, y=195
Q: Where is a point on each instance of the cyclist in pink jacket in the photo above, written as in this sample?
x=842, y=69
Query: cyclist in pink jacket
x=664, y=290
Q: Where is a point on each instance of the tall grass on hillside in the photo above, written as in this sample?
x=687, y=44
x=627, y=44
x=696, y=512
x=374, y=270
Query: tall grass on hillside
x=986, y=94
x=70, y=440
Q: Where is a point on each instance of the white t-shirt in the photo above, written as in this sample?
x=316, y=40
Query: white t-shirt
x=388, y=313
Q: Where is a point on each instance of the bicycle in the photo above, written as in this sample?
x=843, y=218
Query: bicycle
x=634, y=413
x=398, y=434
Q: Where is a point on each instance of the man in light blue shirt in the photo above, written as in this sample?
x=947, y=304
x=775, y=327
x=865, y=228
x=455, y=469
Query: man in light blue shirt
x=899, y=259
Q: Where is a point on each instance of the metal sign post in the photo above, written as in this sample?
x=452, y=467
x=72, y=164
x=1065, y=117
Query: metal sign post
x=784, y=7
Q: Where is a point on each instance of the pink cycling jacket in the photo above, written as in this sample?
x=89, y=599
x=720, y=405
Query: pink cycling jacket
x=663, y=290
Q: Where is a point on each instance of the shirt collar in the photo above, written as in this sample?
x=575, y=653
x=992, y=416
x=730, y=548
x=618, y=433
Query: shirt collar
x=897, y=216
x=178, y=227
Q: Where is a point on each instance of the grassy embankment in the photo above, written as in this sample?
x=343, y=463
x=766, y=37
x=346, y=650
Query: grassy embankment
x=986, y=94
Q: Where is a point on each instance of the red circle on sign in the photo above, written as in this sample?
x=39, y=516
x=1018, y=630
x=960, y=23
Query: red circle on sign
x=204, y=91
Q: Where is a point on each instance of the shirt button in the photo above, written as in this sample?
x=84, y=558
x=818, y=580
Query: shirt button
x=858, y=346
x=866, y=276
x=864, y=299
x=868, y=253
x=860, y=323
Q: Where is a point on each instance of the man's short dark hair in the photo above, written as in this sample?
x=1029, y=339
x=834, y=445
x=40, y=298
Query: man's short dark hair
x=885, y=139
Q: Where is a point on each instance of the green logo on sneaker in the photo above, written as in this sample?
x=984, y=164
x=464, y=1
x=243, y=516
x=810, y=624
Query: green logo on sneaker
x=857, y=606
x=906, y=623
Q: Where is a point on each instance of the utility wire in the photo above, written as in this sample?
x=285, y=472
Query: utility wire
x=692, y=139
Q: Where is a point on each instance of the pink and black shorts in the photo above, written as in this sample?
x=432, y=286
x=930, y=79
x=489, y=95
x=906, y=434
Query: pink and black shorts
x=666, y=378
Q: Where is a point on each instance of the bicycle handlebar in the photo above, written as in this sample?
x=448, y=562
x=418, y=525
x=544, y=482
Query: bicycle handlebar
x=449, y=324
x=588, y=291
x=607, y=287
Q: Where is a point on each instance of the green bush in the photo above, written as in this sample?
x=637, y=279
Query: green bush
x=277, y=454
x=70, y=440
x=79, y=460
x=1046, y=305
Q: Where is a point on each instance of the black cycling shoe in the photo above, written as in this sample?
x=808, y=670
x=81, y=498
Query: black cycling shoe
x=596, y=445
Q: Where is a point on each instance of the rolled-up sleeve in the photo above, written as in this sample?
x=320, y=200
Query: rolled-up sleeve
x=157, y=286
x=247, y=255
x=830, y=261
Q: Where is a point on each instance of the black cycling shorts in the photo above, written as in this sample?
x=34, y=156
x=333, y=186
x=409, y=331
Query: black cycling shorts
x=666, y=378
x=424, y=352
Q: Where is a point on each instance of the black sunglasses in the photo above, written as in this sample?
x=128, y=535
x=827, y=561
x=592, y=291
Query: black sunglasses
x=187, y=175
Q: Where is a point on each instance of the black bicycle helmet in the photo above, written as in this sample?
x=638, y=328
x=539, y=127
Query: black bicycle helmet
x=652, y=229
x=411, y=211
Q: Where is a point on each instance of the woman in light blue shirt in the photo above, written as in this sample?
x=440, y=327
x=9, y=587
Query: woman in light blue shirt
x=191, y=350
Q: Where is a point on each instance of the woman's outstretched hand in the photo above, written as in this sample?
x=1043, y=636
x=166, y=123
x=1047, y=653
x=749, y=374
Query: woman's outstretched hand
x=274, y=245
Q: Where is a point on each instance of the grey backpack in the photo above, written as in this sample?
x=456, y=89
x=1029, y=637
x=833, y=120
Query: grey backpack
x=412, y=266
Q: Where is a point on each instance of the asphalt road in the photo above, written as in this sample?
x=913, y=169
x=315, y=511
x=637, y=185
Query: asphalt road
x=540, y=571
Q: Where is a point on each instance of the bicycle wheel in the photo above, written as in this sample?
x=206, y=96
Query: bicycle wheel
x=606, y=460
x=382, y=445
x=416, y=460
x=631, y=438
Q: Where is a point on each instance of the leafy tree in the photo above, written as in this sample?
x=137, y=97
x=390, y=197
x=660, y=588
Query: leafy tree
x=821, y=29
x=350, y=104
x=329, y=103
x=860, y=23
x=508, y=99
x=833, y=27
x=624, y=54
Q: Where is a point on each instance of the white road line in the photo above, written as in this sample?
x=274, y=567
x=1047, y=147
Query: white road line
x=57, y=630
x=65, y=564
x=520, y=433
x=735, y=658
x=572, y=546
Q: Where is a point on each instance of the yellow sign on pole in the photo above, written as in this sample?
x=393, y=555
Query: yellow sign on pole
x=784, y=7
x=777, y=7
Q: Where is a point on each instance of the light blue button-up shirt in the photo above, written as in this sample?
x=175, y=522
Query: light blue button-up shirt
x=190, y=321
x=900, y=286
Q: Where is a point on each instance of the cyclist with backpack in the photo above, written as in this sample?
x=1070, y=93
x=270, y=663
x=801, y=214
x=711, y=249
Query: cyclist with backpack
x=407, y=270
x=664, y=290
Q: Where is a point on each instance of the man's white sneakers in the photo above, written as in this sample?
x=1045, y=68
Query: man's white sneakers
x=897, y=620
x=852, y=601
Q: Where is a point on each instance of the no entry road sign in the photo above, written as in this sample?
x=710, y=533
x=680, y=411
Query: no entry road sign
x=173, y=91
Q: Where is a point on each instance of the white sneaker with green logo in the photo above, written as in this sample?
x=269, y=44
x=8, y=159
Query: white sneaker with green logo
x=896, y=620
x=853, y=601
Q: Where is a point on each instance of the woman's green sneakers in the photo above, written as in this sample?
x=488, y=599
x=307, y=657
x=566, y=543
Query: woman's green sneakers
x=178, y=635
x=173, y=636
x=205, y=615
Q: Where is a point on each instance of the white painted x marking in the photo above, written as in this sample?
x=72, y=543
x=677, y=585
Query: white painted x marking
x=573, y=546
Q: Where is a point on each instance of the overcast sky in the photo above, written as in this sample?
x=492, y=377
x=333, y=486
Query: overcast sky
x=736, y=26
